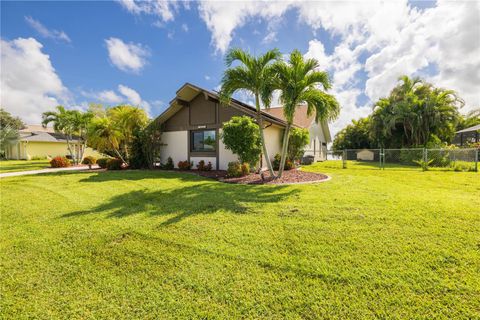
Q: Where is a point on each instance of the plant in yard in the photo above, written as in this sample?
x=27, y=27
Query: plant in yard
x=185, y=165
x=60, y=162
x=89, y=160
x=102, y=162
x=298, y=79
x=299, y=138
x=8, y=136
x=63, y=123
x=424, y=164
x=254, y=75
x=105, y=135
x=168, y=165
x=289, y=165
x=241, y=136
x=115, y=164
x=201, y=166
x=145, y=147
x=237, y=169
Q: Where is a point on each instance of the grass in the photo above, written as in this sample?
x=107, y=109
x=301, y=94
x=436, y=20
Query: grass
x=138, y=244
x=22, y=165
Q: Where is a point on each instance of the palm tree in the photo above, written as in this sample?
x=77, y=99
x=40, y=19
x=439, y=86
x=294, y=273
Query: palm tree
x=254, y=75
x=104, y=135
x=62, y=122
x=298, y=80
x=80, y=122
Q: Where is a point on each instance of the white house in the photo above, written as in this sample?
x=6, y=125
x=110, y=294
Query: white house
x=192, y=124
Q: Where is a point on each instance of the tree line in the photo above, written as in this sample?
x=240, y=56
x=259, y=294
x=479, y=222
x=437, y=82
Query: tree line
x=414, y=114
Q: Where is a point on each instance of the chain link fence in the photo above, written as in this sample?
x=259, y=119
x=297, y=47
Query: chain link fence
x=404, y=159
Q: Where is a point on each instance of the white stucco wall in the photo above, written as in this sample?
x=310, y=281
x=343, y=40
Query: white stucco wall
x=175, y=146
x=273, y=141
x=224, y=156
x=316, y=139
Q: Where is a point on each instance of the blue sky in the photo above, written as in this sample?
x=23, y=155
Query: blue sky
x=74, y=53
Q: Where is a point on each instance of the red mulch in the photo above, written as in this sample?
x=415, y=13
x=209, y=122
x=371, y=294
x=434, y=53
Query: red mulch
x=290, y=176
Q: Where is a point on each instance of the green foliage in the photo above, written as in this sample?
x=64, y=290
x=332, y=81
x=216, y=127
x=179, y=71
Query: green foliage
x=201, y=166
x=60, y=162
x=237, y=169
x=7, y=120
x=102, y=162
x=8, y=136
x=185, y=165
x=354, y=136
x=469, y=120
x=115, y=164
x=168, y=165
x=424, y=164
x=299, y=138
x=241, y=136
x=289, y=165
x=89, y=160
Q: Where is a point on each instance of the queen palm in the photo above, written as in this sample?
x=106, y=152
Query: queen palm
x=105, y=135
x=253, y=75
x=62, y=121
x=298, y=79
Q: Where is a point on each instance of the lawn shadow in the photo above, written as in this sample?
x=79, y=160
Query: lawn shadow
x=193, y=195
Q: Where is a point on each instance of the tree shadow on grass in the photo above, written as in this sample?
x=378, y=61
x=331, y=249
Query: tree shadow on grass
x=196, y=196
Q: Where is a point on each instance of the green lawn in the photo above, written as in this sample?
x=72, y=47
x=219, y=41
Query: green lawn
x=155, y=245
x=22, y=165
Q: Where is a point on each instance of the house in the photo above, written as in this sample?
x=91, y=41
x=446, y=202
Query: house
x=467, y=136
x=37, y=141
x=192, y=124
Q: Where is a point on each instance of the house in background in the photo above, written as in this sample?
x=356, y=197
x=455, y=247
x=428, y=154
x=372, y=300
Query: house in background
x=467, y=136
x=37, y=141
x=192, y=125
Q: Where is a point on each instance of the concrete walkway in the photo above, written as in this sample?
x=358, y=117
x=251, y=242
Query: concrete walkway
x=49, y=170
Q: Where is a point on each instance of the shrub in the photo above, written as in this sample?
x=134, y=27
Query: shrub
x=236, y=169
x=242, y=137
x=102, y=162
x=201, y=166
x=89, y=160
x=299, y=138
x=423, y=164
x=115, y=164
x=184, y=165
x=60, y=162
x=289, y=165
x=168, y=165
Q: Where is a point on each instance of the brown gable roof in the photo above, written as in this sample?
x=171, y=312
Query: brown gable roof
x=301, y=118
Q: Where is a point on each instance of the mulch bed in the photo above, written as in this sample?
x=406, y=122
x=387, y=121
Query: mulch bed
x=288, y=177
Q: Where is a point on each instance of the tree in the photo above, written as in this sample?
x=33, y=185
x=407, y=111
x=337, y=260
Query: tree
x=354, y=136
x=241, y=136
x=299, y=138
x=254, y=75
x=8, y=135
x=62, y=121
x=469, y=120
x=6, y=119
x=80, y=123
x=105, y=135
x=298, y=80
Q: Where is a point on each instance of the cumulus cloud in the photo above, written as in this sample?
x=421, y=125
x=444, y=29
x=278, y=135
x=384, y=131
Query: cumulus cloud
x=124, y=94
x=129, y=57
x=29, y=83
x=45, y=32
x=161, y=8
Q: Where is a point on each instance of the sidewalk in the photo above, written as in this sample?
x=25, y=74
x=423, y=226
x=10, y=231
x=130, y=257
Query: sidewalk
x=24, y=173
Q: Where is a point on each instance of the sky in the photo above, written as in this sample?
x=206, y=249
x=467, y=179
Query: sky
x=138, y=52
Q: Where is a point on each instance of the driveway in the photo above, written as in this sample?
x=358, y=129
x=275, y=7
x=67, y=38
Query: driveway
x=24, y=173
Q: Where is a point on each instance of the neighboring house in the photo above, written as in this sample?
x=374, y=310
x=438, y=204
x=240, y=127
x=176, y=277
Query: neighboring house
x=192, y=125
x=36, y=141
x=468, y=135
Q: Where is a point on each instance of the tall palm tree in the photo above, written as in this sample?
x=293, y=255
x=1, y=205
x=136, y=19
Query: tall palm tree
x=298, y=79
x=81, y=121
x=63, y=123
x=254, y=75
x=104, y=135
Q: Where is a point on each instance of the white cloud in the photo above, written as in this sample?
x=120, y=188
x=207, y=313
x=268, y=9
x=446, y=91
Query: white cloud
x=184, y=27
x=129, y=57
x=207, y=77
x=163, y=9
x=43, y=31
x=29, y=84
x=124, y=95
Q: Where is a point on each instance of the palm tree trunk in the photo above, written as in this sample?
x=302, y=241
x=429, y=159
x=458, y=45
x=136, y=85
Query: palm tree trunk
x=262, y=137
x=69, y=148
x=286, y=137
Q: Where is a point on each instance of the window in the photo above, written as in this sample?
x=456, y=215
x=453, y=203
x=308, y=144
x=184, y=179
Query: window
x=203, y=141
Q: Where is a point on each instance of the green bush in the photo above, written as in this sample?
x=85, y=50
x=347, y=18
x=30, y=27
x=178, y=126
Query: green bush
x=299, y=138
x=236, y=169
x=184, y=165
x=60, y=162
x=89, y=160
x=114, y=164
x=201, y=166
x=168, y=165
x=102, y=162
x=289, y=165
x=242, y=136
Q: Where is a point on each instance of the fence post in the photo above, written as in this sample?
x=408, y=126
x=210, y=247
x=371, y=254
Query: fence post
x=344, y=159
x=477, y=151
x=425, y=158
x=382, y=162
